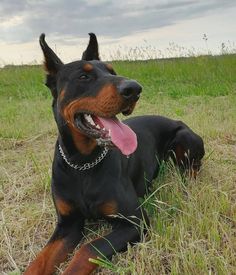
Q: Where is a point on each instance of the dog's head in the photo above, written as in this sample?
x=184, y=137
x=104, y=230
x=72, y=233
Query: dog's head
x=87, y=96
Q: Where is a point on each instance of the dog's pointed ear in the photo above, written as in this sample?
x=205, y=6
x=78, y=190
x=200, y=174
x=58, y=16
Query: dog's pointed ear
x=52, y=62
x=91, y=53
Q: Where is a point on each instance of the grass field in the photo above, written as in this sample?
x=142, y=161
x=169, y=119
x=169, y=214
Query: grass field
x=193, y=222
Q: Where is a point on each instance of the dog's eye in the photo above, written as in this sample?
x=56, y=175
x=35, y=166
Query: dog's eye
x=113, y=72
x=83, y=76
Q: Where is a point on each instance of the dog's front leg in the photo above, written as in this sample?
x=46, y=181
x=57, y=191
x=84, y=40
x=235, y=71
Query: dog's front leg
x=124, y=232
x=66, y=236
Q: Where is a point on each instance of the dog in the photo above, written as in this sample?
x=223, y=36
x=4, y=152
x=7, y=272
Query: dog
x=102, y=166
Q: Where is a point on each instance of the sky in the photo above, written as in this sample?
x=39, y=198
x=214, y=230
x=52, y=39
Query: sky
x=125, y=28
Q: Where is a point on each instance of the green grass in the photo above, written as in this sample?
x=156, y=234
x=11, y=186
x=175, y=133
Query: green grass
x=192, y=221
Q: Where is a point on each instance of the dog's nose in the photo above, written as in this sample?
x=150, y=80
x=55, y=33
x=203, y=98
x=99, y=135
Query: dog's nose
x=130, y=90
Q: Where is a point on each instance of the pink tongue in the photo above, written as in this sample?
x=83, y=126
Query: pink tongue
x=121, y=135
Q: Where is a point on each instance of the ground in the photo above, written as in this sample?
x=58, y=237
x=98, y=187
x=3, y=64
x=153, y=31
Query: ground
x=193, y=222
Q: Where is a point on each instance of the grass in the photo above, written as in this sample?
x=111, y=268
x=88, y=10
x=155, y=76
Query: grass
x=193, y=222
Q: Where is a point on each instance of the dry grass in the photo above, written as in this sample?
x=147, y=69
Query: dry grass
x=193, y=223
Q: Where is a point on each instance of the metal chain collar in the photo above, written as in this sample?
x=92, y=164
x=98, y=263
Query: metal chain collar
x=86, y=165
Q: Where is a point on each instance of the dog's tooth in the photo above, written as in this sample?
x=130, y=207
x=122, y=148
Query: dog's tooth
x=89, y=119
x=97, y=126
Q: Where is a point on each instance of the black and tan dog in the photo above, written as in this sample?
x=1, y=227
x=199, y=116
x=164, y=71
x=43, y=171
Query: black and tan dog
x=92, y=177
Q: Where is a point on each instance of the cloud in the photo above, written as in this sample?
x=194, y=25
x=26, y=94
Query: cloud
x=23, y=21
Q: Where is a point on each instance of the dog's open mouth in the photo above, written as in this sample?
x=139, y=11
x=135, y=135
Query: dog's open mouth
x=107, y=131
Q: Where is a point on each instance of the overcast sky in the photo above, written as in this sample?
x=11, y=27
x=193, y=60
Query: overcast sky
x=119, y=25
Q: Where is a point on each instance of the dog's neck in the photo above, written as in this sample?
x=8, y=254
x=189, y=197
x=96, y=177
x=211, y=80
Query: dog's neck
x=71, y=155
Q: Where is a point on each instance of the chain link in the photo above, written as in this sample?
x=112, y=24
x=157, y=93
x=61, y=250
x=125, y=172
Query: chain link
x=86, y=165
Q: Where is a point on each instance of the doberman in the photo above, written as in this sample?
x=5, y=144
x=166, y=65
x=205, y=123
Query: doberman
x=102, y=166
